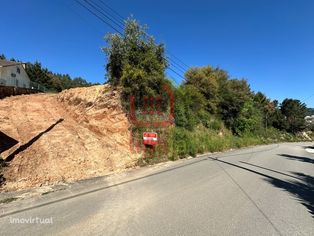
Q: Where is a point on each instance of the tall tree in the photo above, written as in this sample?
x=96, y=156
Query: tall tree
x=233, y=95
x=207, y=80
x=249, y=119
x=267, y=108
x=294, y=112
x=135, y=61
x=189, y=106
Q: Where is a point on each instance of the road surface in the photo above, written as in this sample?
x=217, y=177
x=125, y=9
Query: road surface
x=265, y=190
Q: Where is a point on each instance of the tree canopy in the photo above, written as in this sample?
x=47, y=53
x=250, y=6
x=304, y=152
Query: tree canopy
x=135, y=61
x=293, y=115
x=207, y=96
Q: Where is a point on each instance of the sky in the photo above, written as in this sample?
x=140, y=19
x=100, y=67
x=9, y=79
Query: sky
x=269, y=43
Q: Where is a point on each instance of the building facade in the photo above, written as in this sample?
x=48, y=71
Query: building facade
x=13, y=74
x=309, y=119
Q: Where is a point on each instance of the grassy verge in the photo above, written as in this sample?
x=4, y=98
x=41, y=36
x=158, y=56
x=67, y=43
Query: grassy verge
x=182, y=143
x=189, y=143
x=8, y=200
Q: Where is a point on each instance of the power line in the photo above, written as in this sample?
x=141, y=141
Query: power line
x=79, y=15
x=176, y=73
x=111, y=26
x=111, y=9
x=179, y=60
x=122, y=19
x=104, y=13
x=175, y=63
x=121, y=24
x=308, y=98
x=99, y=10
x=171, y=57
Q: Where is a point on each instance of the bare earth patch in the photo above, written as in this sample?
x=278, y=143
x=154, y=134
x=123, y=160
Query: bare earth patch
x=77, y=134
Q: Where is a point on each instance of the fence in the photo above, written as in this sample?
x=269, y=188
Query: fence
x=6, y=91
x=37, y=86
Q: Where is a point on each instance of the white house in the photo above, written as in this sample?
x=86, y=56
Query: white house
x=13, y=74
x=309, y=119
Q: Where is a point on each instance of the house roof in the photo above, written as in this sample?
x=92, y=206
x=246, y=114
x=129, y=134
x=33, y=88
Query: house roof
x=5, y=63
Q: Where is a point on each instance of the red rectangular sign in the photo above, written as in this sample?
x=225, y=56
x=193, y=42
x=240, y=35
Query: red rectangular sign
x=150, y=138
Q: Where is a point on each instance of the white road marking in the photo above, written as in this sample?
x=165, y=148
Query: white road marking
x=310, y=150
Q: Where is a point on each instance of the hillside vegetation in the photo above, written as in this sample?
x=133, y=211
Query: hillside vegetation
x=212, y=112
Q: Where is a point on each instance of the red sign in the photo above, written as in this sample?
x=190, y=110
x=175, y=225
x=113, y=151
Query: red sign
x=149, y=103
x=150, y=138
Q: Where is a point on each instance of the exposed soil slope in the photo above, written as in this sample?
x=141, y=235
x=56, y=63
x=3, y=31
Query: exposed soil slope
x=77, y=134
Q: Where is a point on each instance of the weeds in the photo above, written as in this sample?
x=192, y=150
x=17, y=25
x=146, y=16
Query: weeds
x=189, y=143
x=8, y=200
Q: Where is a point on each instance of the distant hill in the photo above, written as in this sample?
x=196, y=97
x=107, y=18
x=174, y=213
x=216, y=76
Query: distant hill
x=310, y=111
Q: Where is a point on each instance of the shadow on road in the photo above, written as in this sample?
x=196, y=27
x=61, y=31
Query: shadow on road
x=298, y=158
x=302, y=188
x=275, y=171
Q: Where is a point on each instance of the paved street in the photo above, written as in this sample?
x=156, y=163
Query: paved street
x=265, y=190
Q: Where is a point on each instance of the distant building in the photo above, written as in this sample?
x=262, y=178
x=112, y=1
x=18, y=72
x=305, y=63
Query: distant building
x=309, y=119
x=13, y=74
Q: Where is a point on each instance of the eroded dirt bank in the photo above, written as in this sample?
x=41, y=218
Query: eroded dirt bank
x=77, y=134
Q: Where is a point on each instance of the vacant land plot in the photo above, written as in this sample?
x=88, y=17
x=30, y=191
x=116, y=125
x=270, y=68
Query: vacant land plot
x=77, y=134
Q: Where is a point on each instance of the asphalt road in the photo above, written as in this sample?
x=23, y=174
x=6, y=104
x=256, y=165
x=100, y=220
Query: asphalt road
x=265, y=190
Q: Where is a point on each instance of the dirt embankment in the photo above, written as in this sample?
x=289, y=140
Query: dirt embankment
x=79, y=133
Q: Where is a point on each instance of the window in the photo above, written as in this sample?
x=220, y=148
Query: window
x=18, y=70
x=13, y=75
